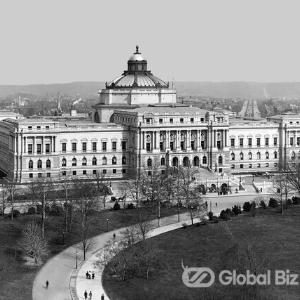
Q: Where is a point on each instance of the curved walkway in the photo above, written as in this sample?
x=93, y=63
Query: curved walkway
x=61, y=273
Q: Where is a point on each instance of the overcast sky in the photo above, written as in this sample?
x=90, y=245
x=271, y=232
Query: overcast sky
x=53, y=41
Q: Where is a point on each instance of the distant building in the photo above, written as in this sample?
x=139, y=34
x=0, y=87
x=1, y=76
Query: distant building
x=138, y=124
x=5, y=114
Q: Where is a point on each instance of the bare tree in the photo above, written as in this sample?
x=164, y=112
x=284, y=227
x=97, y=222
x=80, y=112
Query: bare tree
x=102, y=187
x=188, y=191
x=86, y=192
x=3, y=199
x=282, y=189
x=33, y=243
x=10, y=190
x=40, y=190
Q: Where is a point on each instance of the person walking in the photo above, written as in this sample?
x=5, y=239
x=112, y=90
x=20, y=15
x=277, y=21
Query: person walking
x=85, y=294
x=47, y=284
x=90, y=294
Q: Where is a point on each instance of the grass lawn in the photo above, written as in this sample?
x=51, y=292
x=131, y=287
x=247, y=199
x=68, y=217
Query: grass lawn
x=272, y=240
x=16, y=279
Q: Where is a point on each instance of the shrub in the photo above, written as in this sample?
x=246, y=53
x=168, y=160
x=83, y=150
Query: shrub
x=289, y=202
x=31, y=210
x=116, y=206
x=130, y=206
x=56, y=210
x=229, y=212
x=262, y=204
x=15, y=213
x=296, y=200
x=236, y=210
x=273, y=203
x=210, y=216
x=247, y=206
x=224, y=215
x=253, y=210
x=184, y=225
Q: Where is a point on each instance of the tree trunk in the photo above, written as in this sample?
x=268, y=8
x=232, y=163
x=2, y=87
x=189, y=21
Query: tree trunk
x=43, y=215
x=158, y=216
x=12, y=207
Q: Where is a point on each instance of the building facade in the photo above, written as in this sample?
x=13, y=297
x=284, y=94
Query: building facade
x=138, y=124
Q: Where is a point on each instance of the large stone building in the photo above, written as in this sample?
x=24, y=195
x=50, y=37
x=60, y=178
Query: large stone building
x=138, y=124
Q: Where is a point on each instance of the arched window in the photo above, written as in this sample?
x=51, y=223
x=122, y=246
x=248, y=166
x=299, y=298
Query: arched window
x=258, y=155
x=63, y=162
x=124, y=160
x=104, y=160
x=94, y=161
x=275, y=154
x=293, y=155
x=220, y=159
x=74, y=162
x=175, y=162
x=204, y=160
x=196, y=161
x=149, y=162
x=39, y=164
x=267, y=155
x=84, y=161
x=232, y=156
x=48, y=163
x=30, y=164
x=241, y=156
x=250, y=155
x=186, y=161
x=162, y=161
x=114, y=160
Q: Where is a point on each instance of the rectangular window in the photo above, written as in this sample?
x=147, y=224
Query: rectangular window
x=64, y=173
x=84, y=172
x=160, y=121
x=29, y=127
x=148, y=146
x=94, y=146
x=94, y=172
x=291, y=141
x=104, y=146
x=30, y=175
x=232, y=142
x=193, y=145
x=104, y=171
x=123, y=171
x=172, y=146
x=74, y=147
x=48, y=174
x=171, y=121
x=250, y=166
x=161, y=146
x=124, y=145
x=250, y=142
x=258, y=165
x=29, y=148
x=202, y=120
x=182, y=146
x=47, y=148
x=192, y=120
x=148, y=121
x=181, y=120
x=39, y=148
x=83, y=146
x=38, y=127
x=258, y=142
x=74, y=173
x=47, y=127
x=241, y=142
x=114, y=146
x=266, y=141
x=241, y=166
x=40, y=175
x=275, y=141
x=114, y=171
x=64, y=147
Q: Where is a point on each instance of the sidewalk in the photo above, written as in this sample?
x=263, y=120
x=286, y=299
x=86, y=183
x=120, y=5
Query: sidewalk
x=95, y=286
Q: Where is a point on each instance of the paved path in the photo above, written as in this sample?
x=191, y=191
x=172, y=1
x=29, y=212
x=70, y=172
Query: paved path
x=60, y=270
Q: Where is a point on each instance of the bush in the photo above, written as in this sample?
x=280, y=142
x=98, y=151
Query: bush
x=39, y=209
x=289, y=202
x=224, y=215
x=273, y=203
x=116, y=206
x=210, y=216
x=236, y=210
x=247, y=206
x=31, y=210
x=253, y=210
x=262, y=204
x=229, y=212
x=130, y=206
x=15, y=213
x=184, y=225
x=56, y=210
x=296, y=200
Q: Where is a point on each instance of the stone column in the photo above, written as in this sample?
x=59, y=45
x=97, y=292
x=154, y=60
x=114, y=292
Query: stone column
x=25, y=150
x=167, y=139
x=178, y=139
x=33, y=145
x=188, y=140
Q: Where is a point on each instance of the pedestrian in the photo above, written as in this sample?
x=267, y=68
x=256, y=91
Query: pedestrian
x=47, y=284
x=90, y=294
x=85, y=294
x=114, y=236
x=87, y=275
x=102, y=297
x=93, y=275
x=216, y=204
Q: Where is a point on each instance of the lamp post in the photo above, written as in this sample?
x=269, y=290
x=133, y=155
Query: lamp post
x=107, y=220
x=76, y=259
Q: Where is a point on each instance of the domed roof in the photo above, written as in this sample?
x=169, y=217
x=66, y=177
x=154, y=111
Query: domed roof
x=137, y=75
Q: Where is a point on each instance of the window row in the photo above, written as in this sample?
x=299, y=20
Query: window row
x=39, y=164
x=250, y=166
x=74, y=146
x=94, y=161
x=250, y=155
x=258, y=142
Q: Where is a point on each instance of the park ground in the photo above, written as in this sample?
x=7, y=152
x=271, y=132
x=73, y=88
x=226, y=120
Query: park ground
x=267, y=241
x=16, y=278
